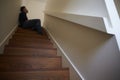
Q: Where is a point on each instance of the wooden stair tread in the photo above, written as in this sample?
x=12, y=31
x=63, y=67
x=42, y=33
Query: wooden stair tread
x=29, y=39
x=27, y=34
x=29, y=31
x=26, y=31
x=30, y=44
x=27, y=62
x=20, y=46
x=22, y=36
x=30, y=34
x=27, y=42
x=60, y=74
x=29, y=51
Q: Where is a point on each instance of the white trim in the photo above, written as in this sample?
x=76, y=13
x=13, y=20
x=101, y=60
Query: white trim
x=93, y=22
x=114, y=17
x=80, y=75
x=4, y=42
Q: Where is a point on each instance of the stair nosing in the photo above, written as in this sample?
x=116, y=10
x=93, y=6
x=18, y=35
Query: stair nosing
x=38, y=70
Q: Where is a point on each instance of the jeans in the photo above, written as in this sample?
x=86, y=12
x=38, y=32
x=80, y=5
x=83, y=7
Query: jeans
x=35, y=24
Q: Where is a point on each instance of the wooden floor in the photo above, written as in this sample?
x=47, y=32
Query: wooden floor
x=31, y=56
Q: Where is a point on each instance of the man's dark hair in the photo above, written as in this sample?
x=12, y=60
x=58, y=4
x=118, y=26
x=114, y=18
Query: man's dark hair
x=21, y=9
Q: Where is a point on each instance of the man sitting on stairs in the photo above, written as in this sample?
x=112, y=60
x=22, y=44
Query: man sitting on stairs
x=35, y=24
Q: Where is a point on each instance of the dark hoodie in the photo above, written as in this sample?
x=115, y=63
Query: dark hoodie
x=22, y=18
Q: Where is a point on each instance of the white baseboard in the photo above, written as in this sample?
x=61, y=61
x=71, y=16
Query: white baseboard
x=6, y=39
x=63, y=52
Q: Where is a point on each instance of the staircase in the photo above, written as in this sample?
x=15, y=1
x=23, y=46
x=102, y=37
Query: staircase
x=30, y=56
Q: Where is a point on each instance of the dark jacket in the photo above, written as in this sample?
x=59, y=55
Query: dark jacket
x=22, y=18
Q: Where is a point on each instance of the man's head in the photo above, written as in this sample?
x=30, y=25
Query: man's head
x=23, y=9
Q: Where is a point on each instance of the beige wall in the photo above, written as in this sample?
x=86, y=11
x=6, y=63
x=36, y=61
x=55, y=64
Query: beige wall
x=95, y=54
x=36, y=8
x=9, y=10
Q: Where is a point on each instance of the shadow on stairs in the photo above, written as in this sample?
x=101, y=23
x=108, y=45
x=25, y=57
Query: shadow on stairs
x=30, y=56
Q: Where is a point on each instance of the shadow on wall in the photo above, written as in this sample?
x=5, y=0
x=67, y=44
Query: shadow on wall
x=117, y=3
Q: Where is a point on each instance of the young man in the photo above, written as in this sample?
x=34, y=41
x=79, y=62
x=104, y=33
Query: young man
x=35, y=24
